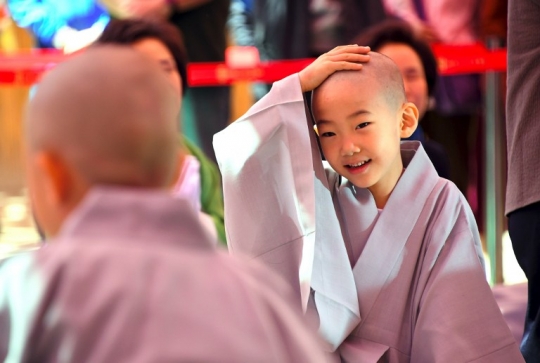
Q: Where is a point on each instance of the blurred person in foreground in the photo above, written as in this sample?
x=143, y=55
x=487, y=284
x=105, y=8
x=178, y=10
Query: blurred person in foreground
x=199, y=179
x=127, y=275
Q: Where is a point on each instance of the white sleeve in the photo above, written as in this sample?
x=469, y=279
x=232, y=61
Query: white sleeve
x=265, y=159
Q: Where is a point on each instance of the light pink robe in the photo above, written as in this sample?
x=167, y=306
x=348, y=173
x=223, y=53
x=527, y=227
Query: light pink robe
x=133, y=277
x=417, y=290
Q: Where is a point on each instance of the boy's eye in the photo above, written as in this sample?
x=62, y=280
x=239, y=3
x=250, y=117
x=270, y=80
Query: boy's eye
x=327, y=134
x=362, y=125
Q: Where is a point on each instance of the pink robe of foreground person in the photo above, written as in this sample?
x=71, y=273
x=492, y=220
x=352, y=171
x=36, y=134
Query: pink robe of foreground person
x=405, y=284
x=133, y=277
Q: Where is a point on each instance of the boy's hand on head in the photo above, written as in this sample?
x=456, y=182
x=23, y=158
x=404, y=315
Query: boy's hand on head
x=345, y=57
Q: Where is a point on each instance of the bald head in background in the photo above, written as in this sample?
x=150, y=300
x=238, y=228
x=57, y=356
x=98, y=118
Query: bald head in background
x=107, y=116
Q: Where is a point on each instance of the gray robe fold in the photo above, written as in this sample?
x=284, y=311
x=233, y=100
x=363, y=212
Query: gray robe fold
x=405, y=284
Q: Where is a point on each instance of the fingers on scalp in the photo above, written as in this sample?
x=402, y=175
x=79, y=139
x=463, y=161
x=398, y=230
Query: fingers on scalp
x=349, y=65
x=356, y=57
x=350, y=57
x=362, y=51
x=344, y=48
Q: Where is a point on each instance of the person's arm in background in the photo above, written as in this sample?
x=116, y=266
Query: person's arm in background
x=405, y=10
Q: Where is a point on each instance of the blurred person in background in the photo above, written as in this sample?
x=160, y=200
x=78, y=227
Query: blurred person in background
x=127, y=275
x=458, y=99
x=199, y=179
x=61, y=24
x=418, y=67
x=202, y=23
x=287, y=29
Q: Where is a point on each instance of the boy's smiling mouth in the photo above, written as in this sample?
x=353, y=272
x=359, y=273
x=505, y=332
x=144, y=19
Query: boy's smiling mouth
x=357, y=165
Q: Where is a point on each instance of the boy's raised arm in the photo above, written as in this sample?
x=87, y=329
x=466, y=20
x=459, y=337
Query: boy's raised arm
x=268, y=159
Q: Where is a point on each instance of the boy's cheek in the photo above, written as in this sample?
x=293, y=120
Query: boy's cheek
x=326, y=148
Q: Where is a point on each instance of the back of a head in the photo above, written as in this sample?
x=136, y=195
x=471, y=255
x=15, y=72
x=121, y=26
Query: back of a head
x=129, y=31
x=380, y=75
x=110, y=113
x=399, y=32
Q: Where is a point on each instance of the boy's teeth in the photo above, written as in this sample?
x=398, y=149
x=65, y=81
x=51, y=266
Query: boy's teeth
x=359, y=164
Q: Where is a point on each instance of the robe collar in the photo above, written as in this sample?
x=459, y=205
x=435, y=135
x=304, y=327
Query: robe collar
x=130, y=215
x=395, y=223
x=333, y=279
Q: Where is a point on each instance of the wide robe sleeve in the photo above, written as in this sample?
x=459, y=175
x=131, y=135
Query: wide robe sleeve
x=458, y=319
x=266, y=165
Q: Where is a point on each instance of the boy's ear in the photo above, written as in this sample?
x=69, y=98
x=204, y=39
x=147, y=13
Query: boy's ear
x=409, y=120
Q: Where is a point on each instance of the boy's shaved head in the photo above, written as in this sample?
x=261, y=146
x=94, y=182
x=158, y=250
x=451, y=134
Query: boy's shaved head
x=380, y=74
x=110, y=114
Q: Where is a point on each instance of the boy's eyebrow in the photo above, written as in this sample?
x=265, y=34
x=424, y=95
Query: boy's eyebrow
x=352, y=115
x=322, y=122
x=358, y=113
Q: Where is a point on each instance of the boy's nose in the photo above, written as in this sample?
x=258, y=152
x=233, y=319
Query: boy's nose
x=349, y=149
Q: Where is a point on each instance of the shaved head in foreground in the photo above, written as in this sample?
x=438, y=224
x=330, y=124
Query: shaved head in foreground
x=107, y=116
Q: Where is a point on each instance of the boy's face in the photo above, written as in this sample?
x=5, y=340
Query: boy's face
x=360, y=131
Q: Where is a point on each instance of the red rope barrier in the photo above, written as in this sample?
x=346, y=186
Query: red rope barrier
x=25, y=68
x=475, y=58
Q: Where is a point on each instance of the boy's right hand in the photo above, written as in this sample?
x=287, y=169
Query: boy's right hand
x=345, y=57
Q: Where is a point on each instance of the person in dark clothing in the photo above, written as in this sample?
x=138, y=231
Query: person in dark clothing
x=523, y=141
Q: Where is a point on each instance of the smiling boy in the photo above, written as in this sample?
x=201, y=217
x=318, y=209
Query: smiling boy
x=360, y=138
x=381, y=251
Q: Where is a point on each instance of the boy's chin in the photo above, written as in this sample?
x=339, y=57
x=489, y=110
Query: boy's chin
x=359, y=181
